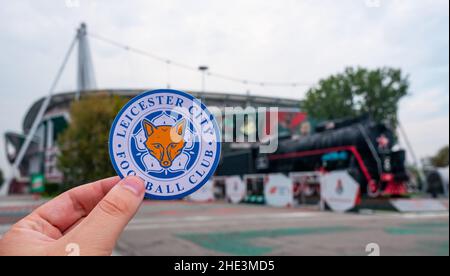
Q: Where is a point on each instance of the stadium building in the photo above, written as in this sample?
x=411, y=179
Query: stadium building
x=40, y=160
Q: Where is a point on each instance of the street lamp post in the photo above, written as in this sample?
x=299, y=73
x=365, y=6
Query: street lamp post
x=203, y=69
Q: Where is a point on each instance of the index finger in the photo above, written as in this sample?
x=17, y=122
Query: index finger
x=66, y=209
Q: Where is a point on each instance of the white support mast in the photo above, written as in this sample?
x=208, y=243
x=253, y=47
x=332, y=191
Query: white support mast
x=85, y=74
x=85, y=81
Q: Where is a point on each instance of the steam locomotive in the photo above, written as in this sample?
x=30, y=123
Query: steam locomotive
x=361, y=146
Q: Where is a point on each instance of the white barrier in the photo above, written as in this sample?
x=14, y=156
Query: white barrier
x=204, y=194
x=278, y=191
x=235, y=189
x=339, y=190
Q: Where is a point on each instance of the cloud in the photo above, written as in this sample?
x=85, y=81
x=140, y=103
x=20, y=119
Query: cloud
x=426, y=121
x=427, y=136
x=426, y=105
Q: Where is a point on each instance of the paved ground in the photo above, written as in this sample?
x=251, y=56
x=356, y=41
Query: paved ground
x=183, y=228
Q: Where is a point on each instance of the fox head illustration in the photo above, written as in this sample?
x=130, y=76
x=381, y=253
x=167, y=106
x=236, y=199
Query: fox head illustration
x=164, y=143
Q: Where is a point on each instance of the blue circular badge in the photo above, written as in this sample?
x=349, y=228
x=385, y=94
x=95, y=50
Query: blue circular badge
x=169, y=139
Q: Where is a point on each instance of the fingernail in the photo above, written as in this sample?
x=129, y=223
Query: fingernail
x=134, y=184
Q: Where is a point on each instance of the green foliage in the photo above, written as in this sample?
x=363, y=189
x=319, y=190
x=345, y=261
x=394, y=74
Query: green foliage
x=52, y=190
x=441, y=158
x=84, y=153
x=357, y=92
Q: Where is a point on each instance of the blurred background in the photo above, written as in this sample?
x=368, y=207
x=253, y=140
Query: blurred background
x=362, y=87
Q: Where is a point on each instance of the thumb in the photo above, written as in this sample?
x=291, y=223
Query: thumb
x=99, y=231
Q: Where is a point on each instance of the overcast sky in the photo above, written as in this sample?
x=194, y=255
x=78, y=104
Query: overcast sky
x=270, y=40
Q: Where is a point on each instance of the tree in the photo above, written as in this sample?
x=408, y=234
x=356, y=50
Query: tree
x=357, y=92
x=440, y=160
x=83, y=145
x=1, y=178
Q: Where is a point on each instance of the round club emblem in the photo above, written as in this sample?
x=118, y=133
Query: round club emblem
x=169, y=139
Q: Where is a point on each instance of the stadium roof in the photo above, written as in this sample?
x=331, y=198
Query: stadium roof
x=62, y=100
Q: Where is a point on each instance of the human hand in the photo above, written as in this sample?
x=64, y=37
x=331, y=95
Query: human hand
x=91, y=216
